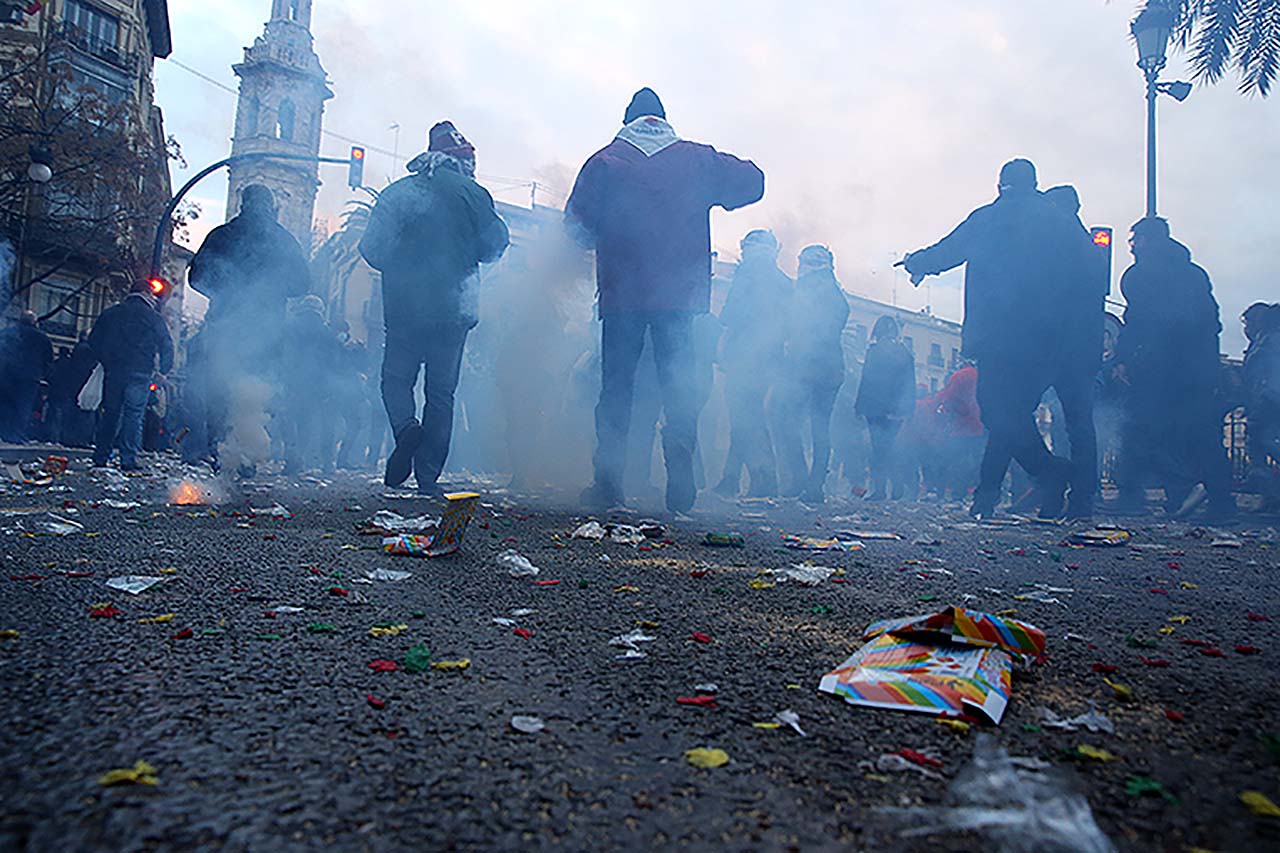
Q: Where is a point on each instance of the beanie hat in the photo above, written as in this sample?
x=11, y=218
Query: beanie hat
x=762, y=237
x=643, y=103
x=446, y=139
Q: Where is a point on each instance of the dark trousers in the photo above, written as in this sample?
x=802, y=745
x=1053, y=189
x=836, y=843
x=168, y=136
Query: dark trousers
x=437, y=349
x=811, y=400
x=749, y=441
x=1009, y=393
x=884, y=439
x=621, y=343
x=124, y=405
x=17, y=404
x=1172, y=435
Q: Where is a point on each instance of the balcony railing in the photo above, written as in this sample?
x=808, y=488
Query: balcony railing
x=96, y=47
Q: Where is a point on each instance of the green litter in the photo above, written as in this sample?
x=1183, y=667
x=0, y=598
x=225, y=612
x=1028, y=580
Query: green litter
x=418, y=658
x=419, y=614
x=269, y=637
x=322, y=628
x=583, y=584
x=820, y=608
x=1031, y=727
x=1139, y=642
x=719, y=590
x=1141, y=786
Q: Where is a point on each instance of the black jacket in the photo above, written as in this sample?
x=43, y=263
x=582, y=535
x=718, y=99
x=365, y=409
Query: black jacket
x=312, y=355
x=888, y=387
x=427, y=235
x=1025, y=261
x=249, y=268
x=25, y=353
x=1171, y=322
x=128, y=337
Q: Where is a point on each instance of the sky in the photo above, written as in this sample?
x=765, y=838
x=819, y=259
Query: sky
x=879, y=124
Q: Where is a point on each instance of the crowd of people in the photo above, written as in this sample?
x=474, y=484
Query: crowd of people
x=270, y=376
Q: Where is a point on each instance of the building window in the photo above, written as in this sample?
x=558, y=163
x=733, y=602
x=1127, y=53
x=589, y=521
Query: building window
x=285, y=116
x=933, y=385
x=293, y=10
x=93, y=22
x=910, y=342
x=935, y=355
x=955, y=358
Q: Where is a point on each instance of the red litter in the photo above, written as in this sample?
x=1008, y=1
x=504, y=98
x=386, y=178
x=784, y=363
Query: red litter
x=375, y=702
x=1256, y=617
x=698, y=573
x=1176, y=716
x=105, y=612
x=1158, y=591
x=1212, y=652
x=1154, y=661
x=918, y=758
x=1105, y=668
x=1248, y=650
x=546, y=583
x=700, y=701
x=184, y=634
x=383, y=665
x=522, y=632
x=700, y=637
x=1204, y=644
x=337, y=590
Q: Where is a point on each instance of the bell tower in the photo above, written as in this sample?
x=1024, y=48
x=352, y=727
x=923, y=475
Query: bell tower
x=283, y=88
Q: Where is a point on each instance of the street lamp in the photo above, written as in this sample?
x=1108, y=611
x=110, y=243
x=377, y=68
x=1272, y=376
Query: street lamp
x=1151, y=31
x=41, y=168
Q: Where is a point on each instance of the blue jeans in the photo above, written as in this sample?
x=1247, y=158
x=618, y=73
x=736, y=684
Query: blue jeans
x=124, y=404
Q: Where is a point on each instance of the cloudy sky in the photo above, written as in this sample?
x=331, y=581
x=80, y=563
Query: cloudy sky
x=879, y=124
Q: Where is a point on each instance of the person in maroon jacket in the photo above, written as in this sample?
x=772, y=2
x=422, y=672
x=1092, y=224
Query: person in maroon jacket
x=644, y=203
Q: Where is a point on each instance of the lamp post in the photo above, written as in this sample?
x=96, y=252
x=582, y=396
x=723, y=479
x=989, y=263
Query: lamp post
x=1151, y=31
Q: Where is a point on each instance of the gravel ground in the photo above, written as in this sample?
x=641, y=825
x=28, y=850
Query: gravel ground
x=263, y=736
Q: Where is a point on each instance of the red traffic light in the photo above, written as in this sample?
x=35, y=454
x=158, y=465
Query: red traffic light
x=357, y=153
x=1101, y=237
x=154, y=386
x=158, y=286
x=355, y=168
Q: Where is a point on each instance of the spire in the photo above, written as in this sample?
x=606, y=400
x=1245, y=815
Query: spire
x=297, y=11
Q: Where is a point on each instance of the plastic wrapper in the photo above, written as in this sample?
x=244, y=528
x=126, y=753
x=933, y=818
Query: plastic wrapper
x=387, y=522
x=134, y=584
x=802, y=574
x=516, y=564
x=1020, y=809
x=812, y=543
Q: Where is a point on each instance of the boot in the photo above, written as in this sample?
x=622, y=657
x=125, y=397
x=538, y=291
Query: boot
x=400, y=462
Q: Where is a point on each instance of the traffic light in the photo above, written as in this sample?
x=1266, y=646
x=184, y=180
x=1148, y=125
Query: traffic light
x=355, y=169
x=158, y=286
x=1100, y=236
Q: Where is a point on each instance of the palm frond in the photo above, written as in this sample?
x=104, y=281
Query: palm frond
x=1222, y=35
x=1217, y=38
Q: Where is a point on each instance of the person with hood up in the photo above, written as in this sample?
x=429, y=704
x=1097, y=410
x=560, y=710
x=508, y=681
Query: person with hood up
x=428, y=235
x=754, y=341
x=1168, y=355
x=644, y=202
x=127, y=339
x=886, y=398
x=1023, y=258
x=814, y=373
x=248, y=268
x=25, y=356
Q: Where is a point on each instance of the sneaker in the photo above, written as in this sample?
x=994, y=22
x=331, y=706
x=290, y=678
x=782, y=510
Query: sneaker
x=400, y=462
x=982, y=507
x=681, y=493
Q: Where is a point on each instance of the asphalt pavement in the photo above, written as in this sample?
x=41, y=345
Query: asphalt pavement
x=266, y=727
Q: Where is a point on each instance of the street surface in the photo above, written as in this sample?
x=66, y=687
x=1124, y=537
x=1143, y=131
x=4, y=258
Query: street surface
x=261, y=725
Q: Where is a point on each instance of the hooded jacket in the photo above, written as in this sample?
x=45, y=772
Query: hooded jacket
x=1025, y=260
x=428, y=235
x=818, y=314
x=1171, y=321
x=644, y=203
x=755, y=317
x=249, y=268
x=128, y=337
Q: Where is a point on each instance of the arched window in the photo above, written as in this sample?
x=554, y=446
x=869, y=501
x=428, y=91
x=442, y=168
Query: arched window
x=284, y=120
x=293, y=10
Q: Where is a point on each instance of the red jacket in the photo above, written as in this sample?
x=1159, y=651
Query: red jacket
x=958, y=401
x=649, y=220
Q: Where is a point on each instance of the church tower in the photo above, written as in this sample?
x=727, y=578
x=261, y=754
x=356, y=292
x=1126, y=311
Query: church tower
x=282, y=93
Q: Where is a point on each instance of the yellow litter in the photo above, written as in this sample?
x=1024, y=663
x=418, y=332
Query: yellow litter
x=387, y=631
x=163, y=617
x=141, y=773
x=461, y=663
x=1260, y=804
x=703, y=757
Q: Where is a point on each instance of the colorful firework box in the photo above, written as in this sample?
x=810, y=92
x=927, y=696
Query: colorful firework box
x=951, y=663
x=813, y=543
x=446, y=540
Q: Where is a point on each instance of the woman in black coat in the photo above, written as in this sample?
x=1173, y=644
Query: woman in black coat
x=886, y=398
